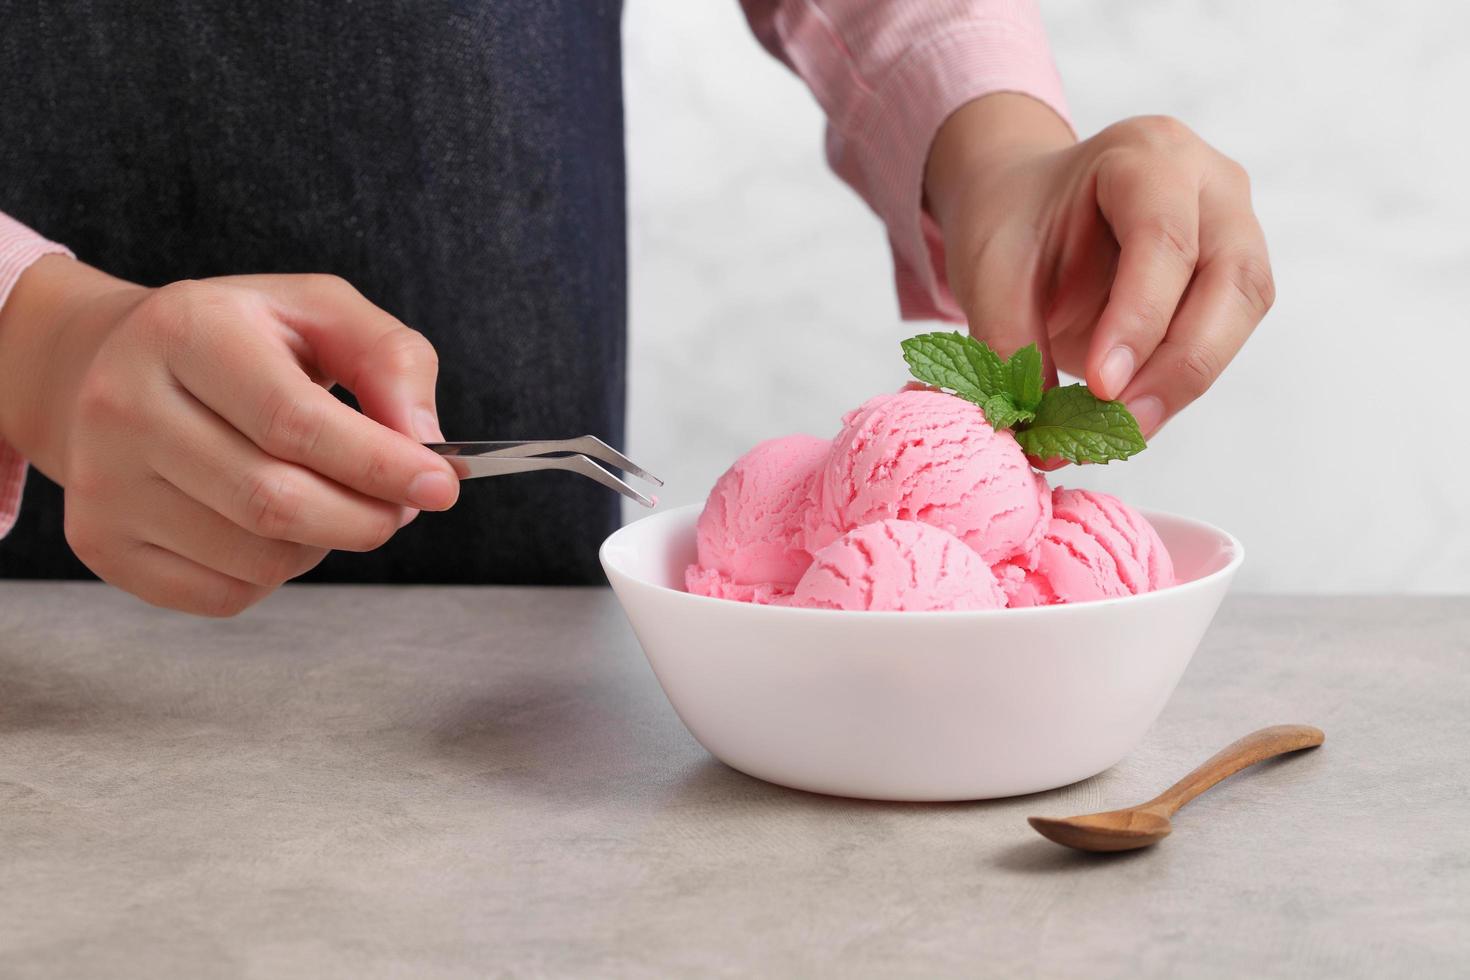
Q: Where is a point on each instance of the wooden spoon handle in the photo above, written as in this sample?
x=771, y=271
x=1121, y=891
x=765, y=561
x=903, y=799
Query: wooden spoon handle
x=1243, y=753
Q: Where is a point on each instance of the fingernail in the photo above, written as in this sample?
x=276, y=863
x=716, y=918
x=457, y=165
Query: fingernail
x=426, y=426
x=1149, y=411
x=431, y=491
x=407, y=517
x=1117, y=370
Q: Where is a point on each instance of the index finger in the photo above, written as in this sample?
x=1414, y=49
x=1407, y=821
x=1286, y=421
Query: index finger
x=254, y=383
x=1153, y=209
x=390, y=367
x=1229, y=297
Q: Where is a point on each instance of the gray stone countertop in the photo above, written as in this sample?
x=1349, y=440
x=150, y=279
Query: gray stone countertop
x=425, y=782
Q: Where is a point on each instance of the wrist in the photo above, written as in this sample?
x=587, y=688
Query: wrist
x=51, y=326
x=985, y=137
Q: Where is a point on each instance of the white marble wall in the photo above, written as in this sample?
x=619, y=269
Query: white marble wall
x=1336, y=447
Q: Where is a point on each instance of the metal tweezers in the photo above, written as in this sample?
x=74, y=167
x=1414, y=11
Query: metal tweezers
x=476, y=459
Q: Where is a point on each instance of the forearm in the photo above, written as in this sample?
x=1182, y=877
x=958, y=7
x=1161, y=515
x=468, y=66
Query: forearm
x=45, y=347
x=888, y=75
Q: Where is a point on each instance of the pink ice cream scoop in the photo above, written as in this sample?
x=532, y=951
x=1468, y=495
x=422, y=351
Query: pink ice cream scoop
x=749, y=536
x=897, y=565
x=931, y=457
x=1096, y=547
x=719, y=585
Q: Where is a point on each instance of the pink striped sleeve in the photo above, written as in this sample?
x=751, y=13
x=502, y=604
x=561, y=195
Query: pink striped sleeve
x=888, y=73
x=19, y=247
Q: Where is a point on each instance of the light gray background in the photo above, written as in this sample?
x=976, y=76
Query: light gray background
x=1335, y=447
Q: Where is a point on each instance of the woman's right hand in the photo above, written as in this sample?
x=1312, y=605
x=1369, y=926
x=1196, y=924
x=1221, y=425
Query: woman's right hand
x=203, y=458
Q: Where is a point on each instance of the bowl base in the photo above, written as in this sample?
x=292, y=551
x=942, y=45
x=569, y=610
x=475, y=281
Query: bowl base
x=854, y=791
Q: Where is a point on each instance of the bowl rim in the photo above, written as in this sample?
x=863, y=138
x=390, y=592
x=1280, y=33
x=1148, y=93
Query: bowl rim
x=1206, y=582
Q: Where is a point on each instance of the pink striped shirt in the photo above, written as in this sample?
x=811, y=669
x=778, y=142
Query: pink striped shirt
x=886, y=72
x=19, y=247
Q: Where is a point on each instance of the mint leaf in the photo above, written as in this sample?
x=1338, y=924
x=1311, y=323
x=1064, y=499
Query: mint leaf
x=1023, y=372
x=1002, y=413
x=1074, y=424
x=956, y=362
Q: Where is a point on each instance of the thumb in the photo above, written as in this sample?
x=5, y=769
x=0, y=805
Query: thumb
x=390, y=368
x=999, y=293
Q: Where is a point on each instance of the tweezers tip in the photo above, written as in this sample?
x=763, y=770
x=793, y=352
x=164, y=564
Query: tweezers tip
x=622, y=462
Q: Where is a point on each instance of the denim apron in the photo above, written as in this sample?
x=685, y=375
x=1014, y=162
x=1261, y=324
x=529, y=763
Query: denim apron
x=459, y=161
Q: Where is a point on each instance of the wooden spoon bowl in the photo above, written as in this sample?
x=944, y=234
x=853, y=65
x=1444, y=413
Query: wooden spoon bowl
x=1116, y=830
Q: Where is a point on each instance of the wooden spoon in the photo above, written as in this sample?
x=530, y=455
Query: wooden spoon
x=1148, y=823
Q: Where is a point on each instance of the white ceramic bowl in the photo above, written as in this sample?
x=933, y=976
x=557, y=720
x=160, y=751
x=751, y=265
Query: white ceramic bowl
x=916, y=706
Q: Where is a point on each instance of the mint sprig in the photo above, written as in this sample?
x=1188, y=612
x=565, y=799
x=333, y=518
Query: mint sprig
x=1069, y=423
x=1003, y=413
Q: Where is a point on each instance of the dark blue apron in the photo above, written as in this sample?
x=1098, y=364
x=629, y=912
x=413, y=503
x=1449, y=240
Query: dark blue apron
x=459, y=161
